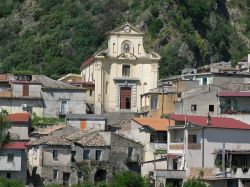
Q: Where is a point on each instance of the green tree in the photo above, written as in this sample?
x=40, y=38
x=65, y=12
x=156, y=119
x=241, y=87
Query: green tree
x=3, y=125
x=194, y=183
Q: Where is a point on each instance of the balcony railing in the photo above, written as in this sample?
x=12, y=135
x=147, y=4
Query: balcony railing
x=176, y=146
x=194, y=146
x=6, y=94
x=171, y=174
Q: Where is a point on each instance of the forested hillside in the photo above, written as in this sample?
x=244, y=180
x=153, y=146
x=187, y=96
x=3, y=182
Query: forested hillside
x=53, y=37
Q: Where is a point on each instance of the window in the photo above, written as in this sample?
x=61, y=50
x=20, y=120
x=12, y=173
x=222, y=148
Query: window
x=139, y=45
x=55, y=154
x=192, y=138
x=130, y=152
x=126, y=70
x=90, y=93
x=98, y=154
x=204, y=81
x=10, y=157
x=126, y=48
x=73, y=154
x=80, y=175
x=86, y=154
x=92, y=76
x=154, y=102
x=107, y=87
x=193, y=108
x=64, y=107
x=113, y=47
x=8, y=175
x=55, y=174
x=25, y=90
x=211, y=108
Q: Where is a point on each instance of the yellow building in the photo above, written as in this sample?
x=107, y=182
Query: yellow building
x=122, y=72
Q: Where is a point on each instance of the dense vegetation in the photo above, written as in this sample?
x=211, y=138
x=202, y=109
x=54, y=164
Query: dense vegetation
x=126, y=179
x=54, y=37
x=10, y=183
x=3, y=126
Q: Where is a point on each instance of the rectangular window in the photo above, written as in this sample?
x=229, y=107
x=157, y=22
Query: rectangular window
x=126, y=70
x=86, y=154
x=55, y=154
x=204, y=81
x=192, y=138
x=80, y=175
x=107, y=87
x=193, y=108
x=25, y=89
x=113, y=47
x=139, y=45
x=98, y=154
x=211, y=108
x=10, y=157
x=90, y=93
x=55, y=174
x=130, y=152
x=64, y=107
x=154, y=102
x=8, y=175
x=73, y=154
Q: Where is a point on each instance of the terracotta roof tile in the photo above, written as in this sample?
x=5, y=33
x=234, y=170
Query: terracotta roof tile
x=216, y=122
x=14, y=145
x=87, y=62
x=234, y=94
x=51, y=140
x=19, y=117
x=157, y=124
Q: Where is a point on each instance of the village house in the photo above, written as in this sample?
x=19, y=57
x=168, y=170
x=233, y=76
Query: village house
x=122, y=72
x=50, y=161
x=105, y=153
x=152, y=134
x=19, y=125
x=215, y=149
x=39, y=94
x=13, y=160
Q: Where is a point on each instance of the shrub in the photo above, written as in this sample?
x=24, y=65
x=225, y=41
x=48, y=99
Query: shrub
x=194, y=183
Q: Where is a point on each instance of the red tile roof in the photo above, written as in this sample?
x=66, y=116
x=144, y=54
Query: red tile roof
x=87, y=62
x=19, y=117
x=217, y=122
x=234, y=94
x=14, y=145
x=157, y=124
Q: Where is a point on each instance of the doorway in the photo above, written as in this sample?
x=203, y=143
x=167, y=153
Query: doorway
x=66, y=176
x=125, y=98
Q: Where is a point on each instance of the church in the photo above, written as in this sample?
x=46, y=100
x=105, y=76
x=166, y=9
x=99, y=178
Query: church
x=122, y=72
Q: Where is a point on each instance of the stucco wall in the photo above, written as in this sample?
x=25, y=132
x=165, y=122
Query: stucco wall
x=21, y=130
x=34, y=90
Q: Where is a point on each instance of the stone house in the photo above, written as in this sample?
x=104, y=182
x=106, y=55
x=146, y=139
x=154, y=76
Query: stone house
x=20, y=125
x=40, y=94
x=122, y=72
x=99, y=154
x=13, y=160
x=50, y=161
x=198, y=146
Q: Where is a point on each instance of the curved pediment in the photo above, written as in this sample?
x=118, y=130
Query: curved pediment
x=154, y=55
x=129, y=56
x=126, y=28
x=101, y=53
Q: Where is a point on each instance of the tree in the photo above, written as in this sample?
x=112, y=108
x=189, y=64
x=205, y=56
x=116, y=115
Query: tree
x=194, y=183
x=3, y=125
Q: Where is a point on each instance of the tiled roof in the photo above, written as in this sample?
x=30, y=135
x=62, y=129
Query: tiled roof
x=157, y=124
x=49, y=83
x=234, y=94
x=236, y=86
x=14, y=145
x=216, y=122
x=19, y=117
x=88, y=138
x=87, y=62
x=51, y=140
x=49, y=129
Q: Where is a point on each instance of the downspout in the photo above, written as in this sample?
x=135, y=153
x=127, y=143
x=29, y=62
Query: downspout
x=162, y=103
x=202, y=154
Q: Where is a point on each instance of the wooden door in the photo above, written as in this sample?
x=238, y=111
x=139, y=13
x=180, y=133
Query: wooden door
x=25, y=89
x=125, y=98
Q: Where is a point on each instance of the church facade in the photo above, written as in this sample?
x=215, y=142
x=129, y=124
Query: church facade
x=122, y=72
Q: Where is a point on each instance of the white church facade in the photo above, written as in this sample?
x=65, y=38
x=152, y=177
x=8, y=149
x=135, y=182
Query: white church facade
x=122, y=72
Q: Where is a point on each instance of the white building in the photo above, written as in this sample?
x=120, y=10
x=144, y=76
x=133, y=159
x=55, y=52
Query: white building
x=122, y=72
x=195, y=147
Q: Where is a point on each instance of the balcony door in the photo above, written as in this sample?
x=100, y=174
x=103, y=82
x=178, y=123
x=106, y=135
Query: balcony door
x=125, y=98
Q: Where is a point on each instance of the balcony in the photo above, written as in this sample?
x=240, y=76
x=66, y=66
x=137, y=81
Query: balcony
x=170, y=174
x=6, y=93
x=177, y=146
x=194, y=146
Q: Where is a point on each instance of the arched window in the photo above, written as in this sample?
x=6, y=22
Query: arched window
x=126, y=46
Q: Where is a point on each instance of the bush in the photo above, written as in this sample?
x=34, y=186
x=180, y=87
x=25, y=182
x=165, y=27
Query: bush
x=194, y=183
x=10, y=183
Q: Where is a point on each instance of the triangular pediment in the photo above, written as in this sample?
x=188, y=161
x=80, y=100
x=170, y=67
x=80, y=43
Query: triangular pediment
x=129, y=56
x=126, y=28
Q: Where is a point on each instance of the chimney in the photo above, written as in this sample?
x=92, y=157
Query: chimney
x=208, y=119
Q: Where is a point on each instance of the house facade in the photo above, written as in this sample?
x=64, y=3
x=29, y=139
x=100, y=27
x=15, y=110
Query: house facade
x=122, y=72
x=13, y=160
x=197, y=148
